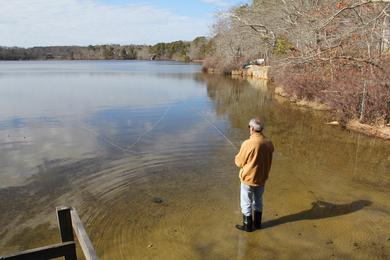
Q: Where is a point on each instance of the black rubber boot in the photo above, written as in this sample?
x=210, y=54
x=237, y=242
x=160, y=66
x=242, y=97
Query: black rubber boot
x=247, y=224
x=257, y=221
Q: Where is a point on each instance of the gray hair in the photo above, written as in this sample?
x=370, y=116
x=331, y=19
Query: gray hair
x=256, y=125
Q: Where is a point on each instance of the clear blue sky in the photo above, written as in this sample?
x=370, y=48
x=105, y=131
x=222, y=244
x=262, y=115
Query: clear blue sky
x=190, y=8
x=29, y=23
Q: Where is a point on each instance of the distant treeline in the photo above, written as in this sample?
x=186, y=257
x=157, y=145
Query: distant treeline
x=178, y=50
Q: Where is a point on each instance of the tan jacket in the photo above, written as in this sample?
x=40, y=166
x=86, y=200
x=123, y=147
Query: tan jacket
x=254, y=159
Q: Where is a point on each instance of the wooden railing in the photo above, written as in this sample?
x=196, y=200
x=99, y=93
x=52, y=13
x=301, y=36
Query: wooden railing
x=68, y=220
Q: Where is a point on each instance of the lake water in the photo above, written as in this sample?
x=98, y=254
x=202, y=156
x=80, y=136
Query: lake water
x=144, y=151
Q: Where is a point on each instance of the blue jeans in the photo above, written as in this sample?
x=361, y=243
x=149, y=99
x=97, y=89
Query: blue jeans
x=251, y=197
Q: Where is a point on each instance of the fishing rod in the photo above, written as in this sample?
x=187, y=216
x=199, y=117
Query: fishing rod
x=237, y=149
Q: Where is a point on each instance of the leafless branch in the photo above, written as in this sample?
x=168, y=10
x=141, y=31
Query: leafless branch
x=352, y=7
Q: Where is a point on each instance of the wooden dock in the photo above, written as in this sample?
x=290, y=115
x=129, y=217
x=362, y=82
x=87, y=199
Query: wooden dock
x=68, y=221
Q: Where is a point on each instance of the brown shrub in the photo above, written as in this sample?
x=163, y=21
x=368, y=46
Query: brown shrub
x=354, y=91
x=224, y=65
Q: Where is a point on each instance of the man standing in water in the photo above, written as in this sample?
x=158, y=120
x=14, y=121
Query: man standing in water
x=254, y=161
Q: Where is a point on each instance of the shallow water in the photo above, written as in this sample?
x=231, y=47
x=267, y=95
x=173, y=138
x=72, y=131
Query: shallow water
x=144, y=151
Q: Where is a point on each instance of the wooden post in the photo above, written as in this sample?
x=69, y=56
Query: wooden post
x=82, y=236
x=65, y=224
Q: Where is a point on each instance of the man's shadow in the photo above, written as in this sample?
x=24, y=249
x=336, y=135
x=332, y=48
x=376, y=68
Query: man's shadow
x=319, y=210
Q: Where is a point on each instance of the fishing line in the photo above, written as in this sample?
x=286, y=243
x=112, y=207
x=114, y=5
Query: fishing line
x=216, y=128
x=220, y=132
x=105, y=139
x=139, y=138
x=153, y=126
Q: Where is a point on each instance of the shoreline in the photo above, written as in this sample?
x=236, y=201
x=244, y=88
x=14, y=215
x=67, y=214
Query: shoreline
x=381, y=132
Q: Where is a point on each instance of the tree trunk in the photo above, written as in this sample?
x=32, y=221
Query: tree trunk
x=386, y=34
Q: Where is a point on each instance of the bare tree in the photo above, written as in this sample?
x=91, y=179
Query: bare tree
x=314, y=45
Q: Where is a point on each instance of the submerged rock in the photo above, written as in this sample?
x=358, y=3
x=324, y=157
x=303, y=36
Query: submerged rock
x=157, y=200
